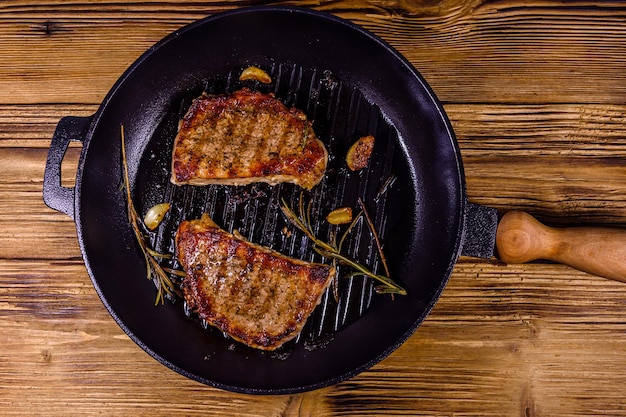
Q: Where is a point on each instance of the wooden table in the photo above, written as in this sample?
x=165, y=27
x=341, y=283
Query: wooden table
x=536, y=93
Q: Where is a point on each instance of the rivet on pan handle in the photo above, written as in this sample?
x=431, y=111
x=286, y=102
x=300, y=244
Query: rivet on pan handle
x=55, y=195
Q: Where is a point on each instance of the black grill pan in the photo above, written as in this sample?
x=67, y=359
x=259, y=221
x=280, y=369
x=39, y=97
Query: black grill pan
x=350, y=83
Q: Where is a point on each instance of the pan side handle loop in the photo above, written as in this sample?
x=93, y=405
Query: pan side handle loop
x=55, y=195
x=481, y=223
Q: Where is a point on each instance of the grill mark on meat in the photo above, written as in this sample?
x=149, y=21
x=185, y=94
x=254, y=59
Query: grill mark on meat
x=263, y=132
x=254, y=294
x=246, y=137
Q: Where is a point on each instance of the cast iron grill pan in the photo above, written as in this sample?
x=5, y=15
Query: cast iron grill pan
x=349, y=83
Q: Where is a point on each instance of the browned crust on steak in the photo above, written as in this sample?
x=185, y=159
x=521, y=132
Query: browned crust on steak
x=254, y=294
x=246, y=137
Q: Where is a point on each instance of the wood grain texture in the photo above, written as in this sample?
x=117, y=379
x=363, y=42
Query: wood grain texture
x=536, y=94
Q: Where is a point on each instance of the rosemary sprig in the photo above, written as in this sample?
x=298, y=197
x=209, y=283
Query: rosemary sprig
x=331, y=250
x=154, y=271
x=370, y=223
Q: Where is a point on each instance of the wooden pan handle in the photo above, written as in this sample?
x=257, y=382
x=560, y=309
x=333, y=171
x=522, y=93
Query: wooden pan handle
x=600, y=251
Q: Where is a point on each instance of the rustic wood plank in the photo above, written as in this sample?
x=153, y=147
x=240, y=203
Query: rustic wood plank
x=563, y=163
x=491, y=52
x=542, y=130
x=42, y=232
x=32, y=126
x=564, y=191
x=469, y=52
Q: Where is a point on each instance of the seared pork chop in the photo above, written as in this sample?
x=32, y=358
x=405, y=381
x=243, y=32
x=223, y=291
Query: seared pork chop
x=246, y=137
x=254, y=294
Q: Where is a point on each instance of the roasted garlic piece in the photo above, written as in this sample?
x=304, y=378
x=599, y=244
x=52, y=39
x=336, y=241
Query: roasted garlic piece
x=154, y=216
x=359, y=153
x=255, y=73
x=341, y=215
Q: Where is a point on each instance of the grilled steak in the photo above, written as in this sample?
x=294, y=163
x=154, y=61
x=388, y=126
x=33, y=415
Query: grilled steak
x=252, y=293
x=246, y=137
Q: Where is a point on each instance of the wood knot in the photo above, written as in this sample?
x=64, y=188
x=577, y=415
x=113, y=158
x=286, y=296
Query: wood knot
x=48, y=28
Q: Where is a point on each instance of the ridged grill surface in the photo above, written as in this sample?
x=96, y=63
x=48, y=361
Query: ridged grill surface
x=340, y=115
